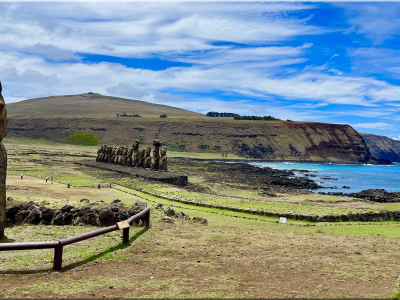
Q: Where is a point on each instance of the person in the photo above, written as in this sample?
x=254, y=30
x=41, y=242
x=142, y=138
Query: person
x=51, y=178
x=47, y=178
x=98, y=186
x=68, y=184
x=22, y=176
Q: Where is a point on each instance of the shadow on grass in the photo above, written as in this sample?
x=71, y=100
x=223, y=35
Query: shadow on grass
x=85, y=261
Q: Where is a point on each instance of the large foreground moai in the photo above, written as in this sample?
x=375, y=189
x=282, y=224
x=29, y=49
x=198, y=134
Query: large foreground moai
x=3, y=164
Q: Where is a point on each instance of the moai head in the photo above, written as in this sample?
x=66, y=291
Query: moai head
x=163, y=151
x=3, y=116
x=135, y=145
x=148, y=151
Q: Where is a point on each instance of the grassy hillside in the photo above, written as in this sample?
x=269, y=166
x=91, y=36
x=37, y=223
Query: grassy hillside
x=93, y=105
x=382, y=146
x=271, y=140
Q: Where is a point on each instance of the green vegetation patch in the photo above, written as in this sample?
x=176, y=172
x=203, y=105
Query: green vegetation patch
x=175, y=146
x=83, y=138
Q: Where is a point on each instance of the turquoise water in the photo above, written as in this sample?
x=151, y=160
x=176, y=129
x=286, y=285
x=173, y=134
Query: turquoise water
x=357, y=177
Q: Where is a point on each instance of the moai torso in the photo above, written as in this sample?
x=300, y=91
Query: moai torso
x=155, y=162
x=163, y=159
x=3, y=164
x=142, y=156
x=147, y=160
x=135, y=154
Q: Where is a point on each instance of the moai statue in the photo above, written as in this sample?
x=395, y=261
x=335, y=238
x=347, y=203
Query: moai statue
x=99, y=152
x=113, y=155
x=3, y=164
x=119, y=156
x=147, y=159
x=135, y=154
x=155, y=161
x=129, y=157
x=103, y=153
x=163, y=159
x=109, y=153
x=142, y=156
x=124, y=156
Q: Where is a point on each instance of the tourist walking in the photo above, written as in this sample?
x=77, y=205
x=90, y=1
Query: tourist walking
x=22, y=176
x=68, y=184
x=47, y=178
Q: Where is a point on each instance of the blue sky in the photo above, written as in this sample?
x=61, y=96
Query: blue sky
x=325, y=62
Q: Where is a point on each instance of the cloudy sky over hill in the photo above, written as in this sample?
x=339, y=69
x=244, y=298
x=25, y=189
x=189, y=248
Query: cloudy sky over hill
x=327, y=62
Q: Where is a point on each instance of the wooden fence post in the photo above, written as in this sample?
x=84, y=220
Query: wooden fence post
x=58, y=253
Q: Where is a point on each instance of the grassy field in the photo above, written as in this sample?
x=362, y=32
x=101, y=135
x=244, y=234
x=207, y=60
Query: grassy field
x=237, y=255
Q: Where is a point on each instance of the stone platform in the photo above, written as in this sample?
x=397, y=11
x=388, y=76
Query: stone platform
x=167, y=177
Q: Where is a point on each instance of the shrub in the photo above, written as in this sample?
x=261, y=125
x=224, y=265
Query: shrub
x=83, y=138
x=204, y=148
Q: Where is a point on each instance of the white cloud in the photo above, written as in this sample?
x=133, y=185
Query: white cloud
x=53, y=53
x=377, y=125
x=377, y=21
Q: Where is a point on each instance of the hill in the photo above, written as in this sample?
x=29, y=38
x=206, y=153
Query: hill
x=382, y=146
x=268, y=140
x=93, y=105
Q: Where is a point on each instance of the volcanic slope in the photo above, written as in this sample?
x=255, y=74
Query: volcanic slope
x=382, y=146
x=93, y=105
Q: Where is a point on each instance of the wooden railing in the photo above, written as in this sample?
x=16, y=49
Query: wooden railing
x=59, y=245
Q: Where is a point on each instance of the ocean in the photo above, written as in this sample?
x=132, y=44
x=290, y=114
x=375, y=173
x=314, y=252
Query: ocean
x=334, y=176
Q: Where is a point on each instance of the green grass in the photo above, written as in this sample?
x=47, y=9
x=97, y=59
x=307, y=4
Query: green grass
x=83, y=139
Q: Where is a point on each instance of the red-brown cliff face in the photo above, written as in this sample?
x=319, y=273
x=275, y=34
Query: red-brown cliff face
x=269, y=140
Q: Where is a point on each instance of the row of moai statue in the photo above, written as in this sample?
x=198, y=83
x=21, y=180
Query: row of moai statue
x=134, y=157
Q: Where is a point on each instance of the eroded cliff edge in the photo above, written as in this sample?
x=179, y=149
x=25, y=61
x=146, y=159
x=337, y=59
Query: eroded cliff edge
x=267, y=140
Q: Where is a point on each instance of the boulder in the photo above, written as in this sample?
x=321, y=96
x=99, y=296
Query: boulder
x=140, y=203
x=167, y=219
x=59, y=219
x=106, y=217
x=200, y=220
x=47, y=215
x=21, y=216
x=11, y=211
x=66, y=208
x=34, y=217
x=158, y=206
x=84, y=200
x=68, y=218
x=116, y=201
x=170, y=212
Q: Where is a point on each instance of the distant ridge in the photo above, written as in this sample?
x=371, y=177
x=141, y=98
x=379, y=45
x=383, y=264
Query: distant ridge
x=95, y=105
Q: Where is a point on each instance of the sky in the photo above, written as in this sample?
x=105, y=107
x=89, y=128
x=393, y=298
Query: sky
x=326, y=62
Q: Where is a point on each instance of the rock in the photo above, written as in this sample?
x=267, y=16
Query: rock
x=200, y=220
x=9, y=199
x=11, y=211
x=84, y=200
x=140, y=203
x=66, y=208
x=116, y=201
x=68, y=218
x=34, y=217
x=106, y=217
x=158, y=206
x=21, y=216
x=170, y=212
x=58, y=219
x=115, y=209
x=122, y=216
x=133, y=211
x=167, y=219
x=47, y=215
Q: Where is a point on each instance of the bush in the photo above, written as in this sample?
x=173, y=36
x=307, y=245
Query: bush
x=205, y=148
x=83, y=138
x=174, y=146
